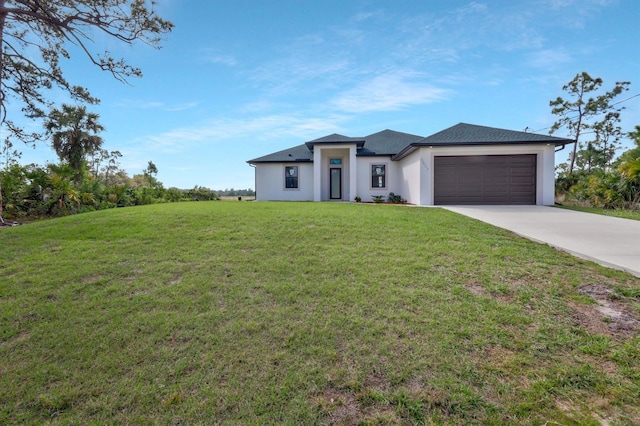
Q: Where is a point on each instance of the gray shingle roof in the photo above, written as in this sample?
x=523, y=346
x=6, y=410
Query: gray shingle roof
x=387, y=142
x=297, y=154
x=471, y=134
x=335, y=138
x=398, y=144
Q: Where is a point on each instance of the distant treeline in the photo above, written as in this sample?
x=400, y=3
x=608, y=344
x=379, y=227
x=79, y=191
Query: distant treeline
x=235, y=192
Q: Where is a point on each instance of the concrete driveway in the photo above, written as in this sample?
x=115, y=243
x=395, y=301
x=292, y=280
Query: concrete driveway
x=609, y=241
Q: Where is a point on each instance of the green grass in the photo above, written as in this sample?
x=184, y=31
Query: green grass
x=305, y=313
x=625, y=214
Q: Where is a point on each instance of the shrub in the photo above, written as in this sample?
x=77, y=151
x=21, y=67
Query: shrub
x=396, y=199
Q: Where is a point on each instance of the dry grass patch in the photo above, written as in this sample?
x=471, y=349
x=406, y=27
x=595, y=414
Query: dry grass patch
x=610, y=313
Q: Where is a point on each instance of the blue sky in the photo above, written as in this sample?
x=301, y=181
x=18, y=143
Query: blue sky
x=238, y=79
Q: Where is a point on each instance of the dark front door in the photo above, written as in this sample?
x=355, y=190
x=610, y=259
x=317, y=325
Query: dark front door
x=335, y=183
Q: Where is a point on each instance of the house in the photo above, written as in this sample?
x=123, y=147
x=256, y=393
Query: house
x=464, y=164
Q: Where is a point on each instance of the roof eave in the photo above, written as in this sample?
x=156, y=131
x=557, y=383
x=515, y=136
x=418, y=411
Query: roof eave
x=297, y=160
x=375, y=154
x=555, y=142
x=412, y=147
x=405, y=151
x=359, y=144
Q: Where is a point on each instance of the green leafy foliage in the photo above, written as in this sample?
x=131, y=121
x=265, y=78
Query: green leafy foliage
x=34, y=192
x=581, y=112
x=618, y=188
x=395, y=199
x=74, y=133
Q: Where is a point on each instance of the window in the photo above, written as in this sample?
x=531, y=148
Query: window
x=291, y=177
x=335, y=161
x=378, y=178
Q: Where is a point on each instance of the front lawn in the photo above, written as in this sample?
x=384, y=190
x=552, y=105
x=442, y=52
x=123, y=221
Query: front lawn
x=308, y=313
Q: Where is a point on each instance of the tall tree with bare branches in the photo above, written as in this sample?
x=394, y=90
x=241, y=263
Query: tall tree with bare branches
x=35, y=35
x=577, y=112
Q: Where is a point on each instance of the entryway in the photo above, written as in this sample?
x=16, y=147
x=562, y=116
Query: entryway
x=335, y=183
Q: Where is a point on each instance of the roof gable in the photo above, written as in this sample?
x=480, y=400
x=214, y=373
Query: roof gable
x=335, y=138
x=387, y=142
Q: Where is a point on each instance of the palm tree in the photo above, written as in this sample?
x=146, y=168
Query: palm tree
x=74, y=134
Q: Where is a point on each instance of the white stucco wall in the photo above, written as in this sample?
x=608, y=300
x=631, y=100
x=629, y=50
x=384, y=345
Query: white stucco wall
x=411, y=177
x=270, y=182
x=393, y=179
x=545, y=178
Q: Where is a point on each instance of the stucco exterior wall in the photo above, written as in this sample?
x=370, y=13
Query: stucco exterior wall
x=270, y=182
x=409, y=178
x=364, y=188
x=545, y=178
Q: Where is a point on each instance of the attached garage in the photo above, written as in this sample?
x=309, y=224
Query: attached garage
x=485, y=179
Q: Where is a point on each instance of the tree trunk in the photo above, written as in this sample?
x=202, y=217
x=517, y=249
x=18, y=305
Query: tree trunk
x=1, y=218
x=573, y=156
x=3, y=109
x=575, y=144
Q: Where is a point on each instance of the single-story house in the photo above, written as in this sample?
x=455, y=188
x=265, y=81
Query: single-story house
x=464, y=164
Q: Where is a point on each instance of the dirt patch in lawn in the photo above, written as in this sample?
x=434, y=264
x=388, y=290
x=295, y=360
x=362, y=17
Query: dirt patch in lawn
x=476, y=288
x=343, y=408
x=609, y=314
x=338, y=407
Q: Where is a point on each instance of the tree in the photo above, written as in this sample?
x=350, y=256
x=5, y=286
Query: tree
x=151, y=170
x=74, y=135
x=630, y=160
x=48, y=27
x=106, y=172
x=590, y=158
x=608, y=134
x=576, y=114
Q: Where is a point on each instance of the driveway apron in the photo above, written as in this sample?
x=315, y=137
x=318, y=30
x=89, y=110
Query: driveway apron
x=609, y=241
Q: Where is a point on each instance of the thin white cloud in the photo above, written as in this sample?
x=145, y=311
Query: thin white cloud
x=227, y=60
x=549, y=58
x=389, y=92
x=472, y=8
x=225, y=130
x=141, y=104
x=181, y=107
x=215, y=56
x=575, y=13
x=365, y=16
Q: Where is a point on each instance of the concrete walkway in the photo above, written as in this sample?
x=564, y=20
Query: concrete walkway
x=609, y=241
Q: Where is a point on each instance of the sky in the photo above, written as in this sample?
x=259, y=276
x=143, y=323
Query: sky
x=239, y=79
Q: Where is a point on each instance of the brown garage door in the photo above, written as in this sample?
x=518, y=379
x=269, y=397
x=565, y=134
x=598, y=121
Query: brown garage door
x=485, y=179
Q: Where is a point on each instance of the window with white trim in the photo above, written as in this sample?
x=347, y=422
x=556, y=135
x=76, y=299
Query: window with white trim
x=378, y=176
x=291, y=177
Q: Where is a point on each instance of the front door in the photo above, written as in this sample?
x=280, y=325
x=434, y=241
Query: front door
x=335, y=183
